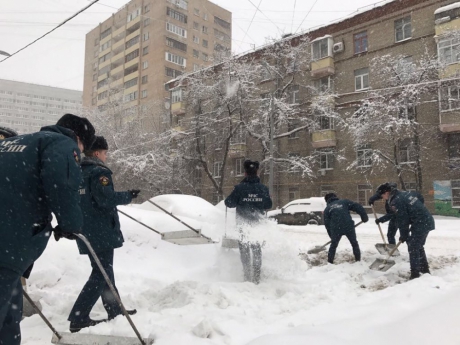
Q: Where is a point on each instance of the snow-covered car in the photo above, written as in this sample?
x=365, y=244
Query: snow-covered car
x=300, y=212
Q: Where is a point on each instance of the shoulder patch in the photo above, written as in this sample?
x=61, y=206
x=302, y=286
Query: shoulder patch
x=104, y=180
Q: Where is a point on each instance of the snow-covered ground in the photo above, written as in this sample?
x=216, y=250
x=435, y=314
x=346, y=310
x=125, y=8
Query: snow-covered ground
x=194, y=295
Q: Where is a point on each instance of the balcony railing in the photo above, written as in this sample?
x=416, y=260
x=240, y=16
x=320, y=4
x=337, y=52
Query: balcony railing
x=322, y=68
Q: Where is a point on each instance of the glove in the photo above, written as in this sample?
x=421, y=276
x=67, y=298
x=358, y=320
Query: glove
x=134, y=193
x=402, y=239
x=377, y=221
x=58, y=234
x=374, y=198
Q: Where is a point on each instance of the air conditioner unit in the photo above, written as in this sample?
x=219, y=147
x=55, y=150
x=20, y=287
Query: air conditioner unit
x=322, y=172
x=338, y=47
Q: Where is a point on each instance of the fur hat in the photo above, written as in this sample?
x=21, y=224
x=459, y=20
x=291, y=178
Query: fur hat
x=99, y=144
x=7, y=133
x=386, y=187
x=251, y=167
x=329, y=196
x=80, y=126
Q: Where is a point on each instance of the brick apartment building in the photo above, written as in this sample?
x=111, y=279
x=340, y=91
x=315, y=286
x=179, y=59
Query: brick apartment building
x=146, y=43
x=341, y=59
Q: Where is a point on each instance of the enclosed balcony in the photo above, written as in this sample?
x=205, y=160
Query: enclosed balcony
x=324, y=138
x=178, y=108
x=238, y=150
x=322, y=68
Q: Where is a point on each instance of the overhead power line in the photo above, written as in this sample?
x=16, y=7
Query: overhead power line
x=46, y=34
x=311, y=8
x=246, y=32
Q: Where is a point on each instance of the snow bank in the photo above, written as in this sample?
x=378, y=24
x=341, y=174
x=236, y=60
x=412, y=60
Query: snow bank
x=447, y=8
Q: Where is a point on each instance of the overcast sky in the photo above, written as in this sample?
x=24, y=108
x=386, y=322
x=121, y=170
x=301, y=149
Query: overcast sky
x=57, y=60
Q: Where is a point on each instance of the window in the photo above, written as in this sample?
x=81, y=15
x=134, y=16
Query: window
x=144, y=94
x=145, y=50
x=323, y=84
x=410, y=186
x=204, y=56
x=178, y=60
x=195, y=67
x=239, y=166
x=293, y=124
x=145, y=79
x=172, y=72
x=105, y=46
x=407, y=112
x=216, y=198
x=450, y=97
x=176, y=30
x=217, y=168
x=145, y=65
x=196, y=53
x=294, y=94
x=239, y=137
x=326, y=159
x=455, y=185
x=205, y=16
x=205, y=43
x=102, y=95
x=196, y=11
x=326, y=189
x=145, y=36
x=131, y=69
x=365, y=191
x=407, y=151
x=196, y=26
x=322, y=48
x=325, y=122
x=196, y=39
x=130, y=83
x=364, y=156
x=179, y=3
x=132, y=42
x=100, y=84
x=454, y=146
x=204, y=29
x=146, y=21
x=132, y=55
x=105, y=33
x=449, y=50
x=134, y=15
x=360, y=42
x=147, y=8
x=131, y=96
x=403, y=29
x=361, y=79
x=176, y=44
x=176, y=15
x=176, y=96
x=221, y=35
x=222, y=23
x=104, y=58
x=95, y=77
x=294, y=193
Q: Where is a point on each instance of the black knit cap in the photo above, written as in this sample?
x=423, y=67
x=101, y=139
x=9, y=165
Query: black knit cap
x=329, y=196
x=80, y=126
x=386, y=187
x=6, y=132
x=251, y=167
x=99, y=144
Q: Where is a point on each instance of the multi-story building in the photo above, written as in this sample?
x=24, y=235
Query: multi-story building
x=27, y=107
x=145, y=44
x=342, y=56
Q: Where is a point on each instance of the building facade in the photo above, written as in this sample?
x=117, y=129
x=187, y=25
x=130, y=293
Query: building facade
x=27, y=107
x=343, y=60
x=146, y=43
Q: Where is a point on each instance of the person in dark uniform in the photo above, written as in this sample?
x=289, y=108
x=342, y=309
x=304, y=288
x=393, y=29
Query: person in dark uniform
x=338, y=222
x=251, y=199
x=40, y=175
x=101, y=227
x=415, y=223
x=6, y=133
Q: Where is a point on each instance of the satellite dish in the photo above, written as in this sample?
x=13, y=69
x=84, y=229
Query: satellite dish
x=167, y=105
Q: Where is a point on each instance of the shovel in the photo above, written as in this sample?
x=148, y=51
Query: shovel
x=384, y=248
x=65, y=338
x=384, y=265
x=319, y=249
x=229, y=242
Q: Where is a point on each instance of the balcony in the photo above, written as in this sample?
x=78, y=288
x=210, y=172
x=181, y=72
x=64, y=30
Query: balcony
x=178, y=108
x=118, y=32
x=119, y=46
x=237, y=150
x=116, y=83
x=119, y=56
x=133, y=22
x=132, y=48
x=132, y=62
x=324, y=138
x=322, y=68
x=450, y=121
x=105, y=39
x=103, y=76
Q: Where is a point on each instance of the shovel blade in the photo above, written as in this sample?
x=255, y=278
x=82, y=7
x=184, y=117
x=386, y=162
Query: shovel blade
x=230, y=243
x=95, y=339
x=386, y=250
x=316, y=250
x=382, y=265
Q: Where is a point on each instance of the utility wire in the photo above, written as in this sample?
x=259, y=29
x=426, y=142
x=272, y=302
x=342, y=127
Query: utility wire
x=311, y=8
x=293, y=14
x=246, y=32
x=46, y=34
x=265, y=16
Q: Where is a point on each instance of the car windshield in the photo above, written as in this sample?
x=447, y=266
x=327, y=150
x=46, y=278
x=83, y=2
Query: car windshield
x=297, y=208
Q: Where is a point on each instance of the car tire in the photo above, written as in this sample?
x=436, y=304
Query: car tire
x=313, y=221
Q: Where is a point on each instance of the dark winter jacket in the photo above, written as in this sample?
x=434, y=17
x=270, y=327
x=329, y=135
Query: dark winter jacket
x=251, y=198
x=390, y=215
x=99, y=207
x=40, y=174
x=410, y=211
x=337, y=218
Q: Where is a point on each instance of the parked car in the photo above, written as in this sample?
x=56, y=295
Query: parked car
x=300, y=212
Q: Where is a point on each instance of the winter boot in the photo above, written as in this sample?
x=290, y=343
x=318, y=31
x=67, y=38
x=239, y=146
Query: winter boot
x=414, y=275
x=130, y=312
x=77, y=326
x=425, y=270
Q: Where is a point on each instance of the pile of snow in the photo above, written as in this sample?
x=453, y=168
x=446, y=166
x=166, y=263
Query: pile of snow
x=447, y=8
x=195, y=295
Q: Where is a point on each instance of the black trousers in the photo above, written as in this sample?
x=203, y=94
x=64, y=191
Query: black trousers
x=417, y=255
x=392, y=229
x=10, y=307
x=249, y=265
x=335, y=239
x=94, y=288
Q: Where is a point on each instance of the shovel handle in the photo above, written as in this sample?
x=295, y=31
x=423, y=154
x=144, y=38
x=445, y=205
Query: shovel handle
x=137, y=221
x=109, y=283
x=41, y=314
x=392, y=251
x=380, y=229
x=170, y=214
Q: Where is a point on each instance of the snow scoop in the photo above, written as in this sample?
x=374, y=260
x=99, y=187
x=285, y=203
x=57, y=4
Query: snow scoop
x=184, y=237
x=65, y=338
x=384, y=265
x=384, y=248
x=229, y=242
x=319, y=249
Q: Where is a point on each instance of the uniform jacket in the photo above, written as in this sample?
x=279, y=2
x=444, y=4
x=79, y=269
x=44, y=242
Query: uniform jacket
x=410, y=210
x=99, y=207
x=390, y=215
x=337, y=218
x=251, y=198
x=40, y=173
